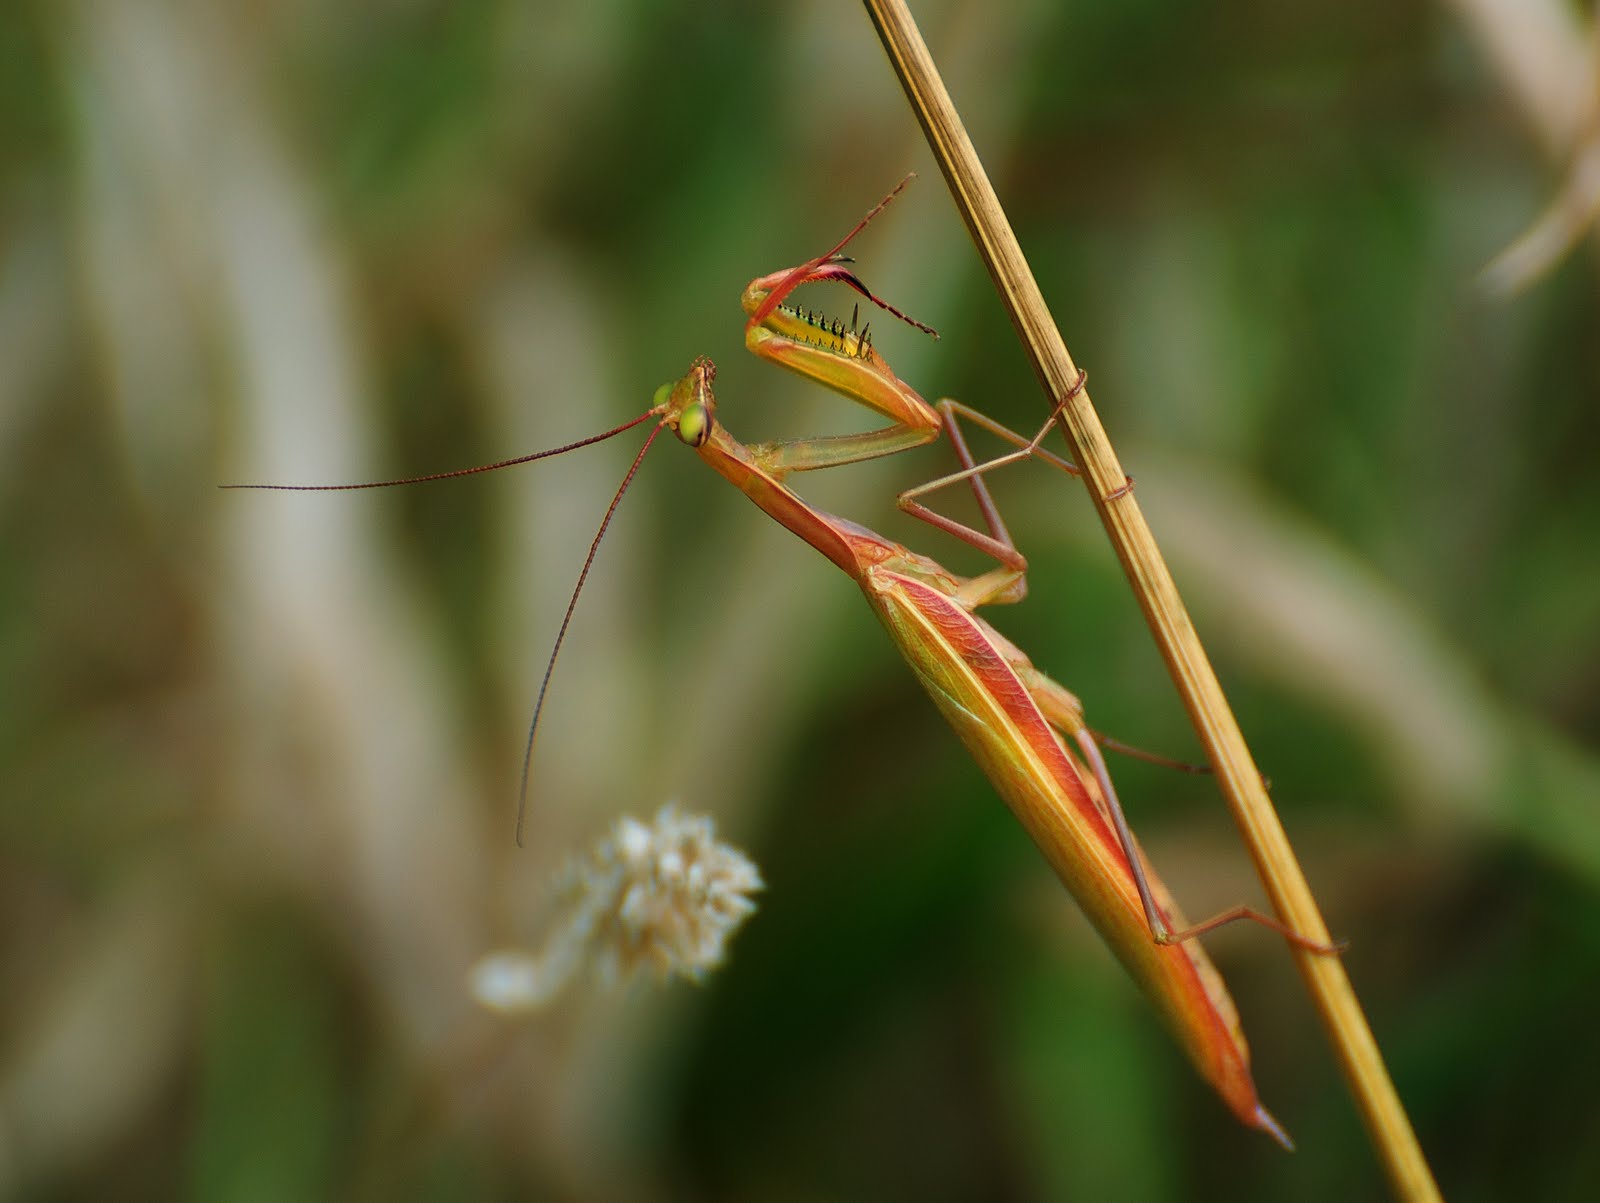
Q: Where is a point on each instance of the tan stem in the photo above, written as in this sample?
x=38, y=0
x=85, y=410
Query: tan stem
x=1191, y=671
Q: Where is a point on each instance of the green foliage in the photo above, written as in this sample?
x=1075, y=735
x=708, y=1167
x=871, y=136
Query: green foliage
x=323, y=244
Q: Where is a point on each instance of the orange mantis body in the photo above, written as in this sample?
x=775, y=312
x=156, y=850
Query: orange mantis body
x=1011, y=717
x=1007, y=714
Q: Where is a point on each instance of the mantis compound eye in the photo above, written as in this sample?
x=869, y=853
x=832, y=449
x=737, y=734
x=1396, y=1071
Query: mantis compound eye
x=694, y=424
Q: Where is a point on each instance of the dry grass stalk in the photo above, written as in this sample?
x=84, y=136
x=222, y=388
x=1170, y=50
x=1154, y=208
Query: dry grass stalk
x=1191, y=671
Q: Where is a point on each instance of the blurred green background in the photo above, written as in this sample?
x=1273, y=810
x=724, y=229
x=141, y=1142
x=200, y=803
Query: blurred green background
x=259, y=752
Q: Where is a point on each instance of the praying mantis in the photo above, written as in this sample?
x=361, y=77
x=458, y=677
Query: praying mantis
x=1014, y=720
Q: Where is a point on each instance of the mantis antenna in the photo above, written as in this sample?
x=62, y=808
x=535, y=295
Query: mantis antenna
x=583, y=575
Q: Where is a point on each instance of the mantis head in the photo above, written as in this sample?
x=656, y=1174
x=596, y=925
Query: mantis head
x=687, y=406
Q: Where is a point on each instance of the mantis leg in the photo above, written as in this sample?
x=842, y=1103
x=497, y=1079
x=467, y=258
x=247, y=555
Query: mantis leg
x=953, y=411
x=861, y=376
x=1005, y=584
x=997, y=542
x=839, y=355
x=1064, y=712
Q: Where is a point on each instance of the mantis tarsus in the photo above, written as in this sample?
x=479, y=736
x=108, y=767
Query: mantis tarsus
x=1013, y=719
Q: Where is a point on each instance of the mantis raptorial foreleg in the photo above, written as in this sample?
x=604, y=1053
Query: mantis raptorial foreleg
x=997, y=542
x=840, y=356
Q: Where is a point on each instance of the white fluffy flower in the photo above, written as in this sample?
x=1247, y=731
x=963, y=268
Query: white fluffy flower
x=664, y=895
